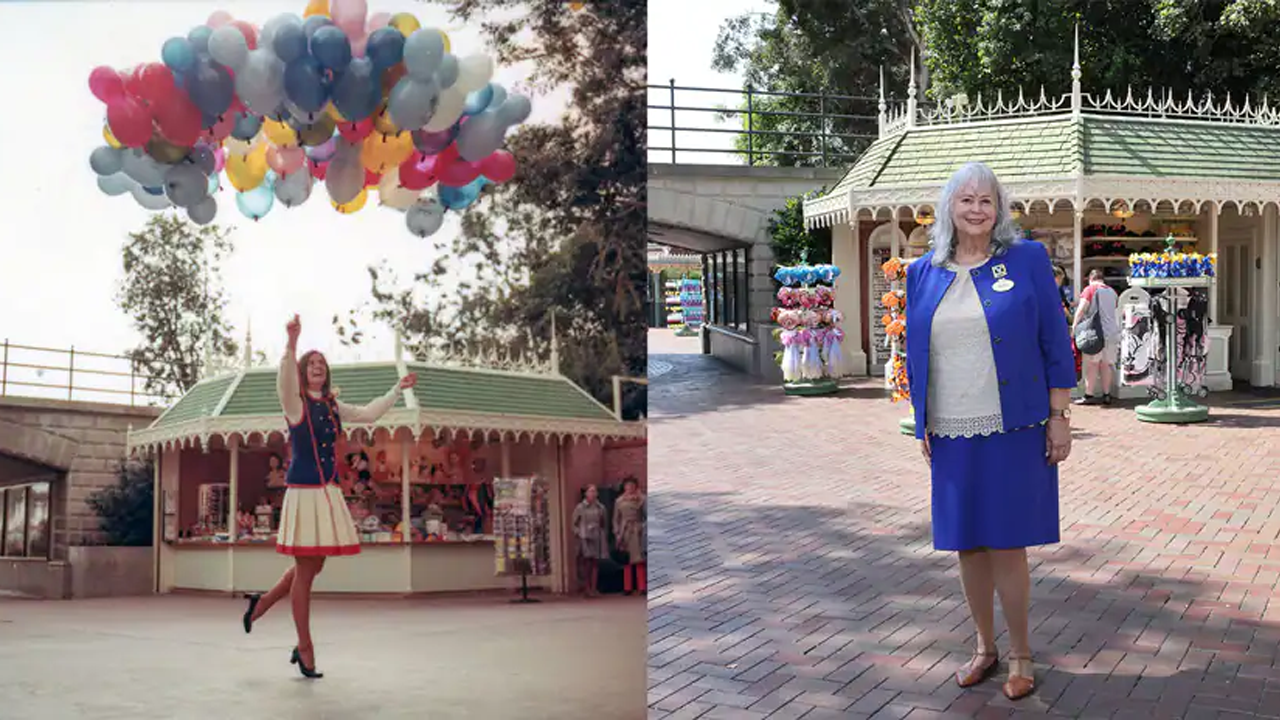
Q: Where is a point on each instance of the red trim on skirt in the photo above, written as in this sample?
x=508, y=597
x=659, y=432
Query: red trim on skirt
x=317, y=550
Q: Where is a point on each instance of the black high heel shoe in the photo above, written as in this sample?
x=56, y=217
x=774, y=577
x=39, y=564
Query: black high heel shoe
x=248, y=614
x=296, y=659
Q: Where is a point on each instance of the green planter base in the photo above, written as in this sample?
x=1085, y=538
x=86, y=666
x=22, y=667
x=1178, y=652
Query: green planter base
x=825, y=386
x=1176, y=410
x=907, y=426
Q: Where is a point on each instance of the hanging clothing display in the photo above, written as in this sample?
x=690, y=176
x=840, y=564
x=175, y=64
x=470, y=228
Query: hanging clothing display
x=1139, y=346
x=1142, y=344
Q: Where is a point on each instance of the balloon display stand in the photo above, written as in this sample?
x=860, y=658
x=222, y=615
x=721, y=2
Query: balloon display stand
x=812, y=357
x=1171, y=271
x=367, y=106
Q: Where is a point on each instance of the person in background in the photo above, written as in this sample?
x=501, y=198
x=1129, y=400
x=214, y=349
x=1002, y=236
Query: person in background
x=590, y=527
x=629, y=518
x=1100, y=366
x=1060, y=277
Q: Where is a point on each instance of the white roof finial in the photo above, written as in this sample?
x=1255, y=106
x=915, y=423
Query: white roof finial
x=1077, y=100
x=555, y=346
x=911, y=93
x=248, y=344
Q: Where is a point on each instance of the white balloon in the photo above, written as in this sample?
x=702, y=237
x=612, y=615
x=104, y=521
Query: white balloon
x=149, y=201
x=474, y=72
x=447, y=73
x=448, y=109
x=425, y=217
x=228, y=46
x=515, y=109
x=422, y=53
x=394, y=195
x=106, y=160
x=203, y=212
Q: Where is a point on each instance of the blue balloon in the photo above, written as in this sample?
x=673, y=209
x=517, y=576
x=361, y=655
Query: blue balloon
x=478, y=101
x=246, y=127
x=178, y=54
x=154, y=190
x=313, y=24
x=290, y=43
x=256, y=203
x=497, y=97
x=460, y=198
x=304, y=84
x=214, y=184
x=385, y=47
x=199, y=39
x=332, y=48
x=211, y=88
x=357, y=91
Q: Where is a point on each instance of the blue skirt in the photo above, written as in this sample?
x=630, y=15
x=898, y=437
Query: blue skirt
x=997, y=491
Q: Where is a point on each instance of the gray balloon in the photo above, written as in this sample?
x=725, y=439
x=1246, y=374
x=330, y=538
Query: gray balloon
x=117, y=184
x=185, y=185
x=447, y=73
x=423, y=51
x=202, y=157
x=480, y=136
x=412, y=103
x=247, y=125
x=514, y=110
x=106, y=160
x=267, y=37
x=149, y=201
x=260, y=83
x=346, y=153
x=344, y=180
x=425, y=217
x=143, y=168
x=228, y=46
x=295, y=188
x=203, y=212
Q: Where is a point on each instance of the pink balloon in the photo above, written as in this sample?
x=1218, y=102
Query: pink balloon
x=376, y=21
x=358, y=45
x=499, y=167
x=285, y=160
x=218, y=19
x=130, y=122
x=105, y=84
x=350, y=16
x=219, y=159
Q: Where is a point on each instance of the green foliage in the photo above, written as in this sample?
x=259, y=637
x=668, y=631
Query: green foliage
x=125, y=510
x=172, y=289
x=566, y=235
x=792, y=244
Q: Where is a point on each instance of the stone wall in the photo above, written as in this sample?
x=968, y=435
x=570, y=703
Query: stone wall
x=82, y=442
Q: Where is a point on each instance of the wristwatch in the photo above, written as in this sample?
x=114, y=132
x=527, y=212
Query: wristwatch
x=1064, y=413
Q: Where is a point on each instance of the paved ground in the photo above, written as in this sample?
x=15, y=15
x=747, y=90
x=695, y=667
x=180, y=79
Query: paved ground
x=792, y=573
x=186, y=657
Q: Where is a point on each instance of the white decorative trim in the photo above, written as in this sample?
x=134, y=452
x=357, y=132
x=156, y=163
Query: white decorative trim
x=226, y=396
x=1165, y=107
x=957, y=110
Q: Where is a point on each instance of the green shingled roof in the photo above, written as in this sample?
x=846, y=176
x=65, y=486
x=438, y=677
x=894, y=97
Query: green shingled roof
x=1062, y=146
x=439, y=390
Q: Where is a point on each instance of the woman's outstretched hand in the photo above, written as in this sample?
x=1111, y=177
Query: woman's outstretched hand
x=408, y=381
x=294, y=329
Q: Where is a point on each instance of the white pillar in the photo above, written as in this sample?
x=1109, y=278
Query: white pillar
x=846, y=253
x=1268, y=309
x=406, y=504
x=1214, y=211
x=1077, y=251
x=233, y=524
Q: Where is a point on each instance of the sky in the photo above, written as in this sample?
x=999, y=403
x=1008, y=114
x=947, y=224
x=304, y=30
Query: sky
x=61, y=263
x=62, y=238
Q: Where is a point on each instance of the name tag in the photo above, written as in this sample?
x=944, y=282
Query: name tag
x=1002, y=285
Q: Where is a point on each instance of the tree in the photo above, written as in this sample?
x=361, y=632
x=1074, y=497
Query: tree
x=125, y=510
x=566, y=235
x=792, y=244
x=172, y=289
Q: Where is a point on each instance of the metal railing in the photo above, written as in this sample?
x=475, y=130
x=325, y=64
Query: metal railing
x=827, y=130
x=29, y=371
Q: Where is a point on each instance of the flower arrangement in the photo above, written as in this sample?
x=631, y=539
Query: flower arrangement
x=895, y=325
x=811, y=337
x=1172, y=265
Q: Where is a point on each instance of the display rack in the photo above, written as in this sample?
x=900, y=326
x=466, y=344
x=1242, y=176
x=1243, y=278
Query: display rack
x=675, y=311
x=895, y=322
x=691, y=306
x=812, y=356
x=521, y=528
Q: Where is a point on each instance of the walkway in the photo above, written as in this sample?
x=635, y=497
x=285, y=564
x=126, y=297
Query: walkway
x=187, y=657
x=793, y=576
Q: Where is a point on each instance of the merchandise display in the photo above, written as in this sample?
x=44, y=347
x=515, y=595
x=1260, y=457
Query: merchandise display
x=691, y=306
x=521, y=527
x=812, y=357
x=895, y=324
x=675, y=310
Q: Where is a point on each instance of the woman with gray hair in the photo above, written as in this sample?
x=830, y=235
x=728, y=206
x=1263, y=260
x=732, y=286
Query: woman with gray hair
x=990, y=371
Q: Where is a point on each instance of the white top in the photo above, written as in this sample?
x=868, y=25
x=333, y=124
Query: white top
x=964, y=390
x=291, y=398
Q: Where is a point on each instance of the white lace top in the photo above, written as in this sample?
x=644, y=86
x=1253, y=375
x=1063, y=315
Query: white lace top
x=964, y=390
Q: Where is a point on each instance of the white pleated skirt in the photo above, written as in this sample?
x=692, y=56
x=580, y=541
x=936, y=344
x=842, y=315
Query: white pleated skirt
x=315, y=522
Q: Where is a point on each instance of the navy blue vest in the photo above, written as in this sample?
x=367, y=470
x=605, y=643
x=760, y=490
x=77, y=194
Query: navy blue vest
x=311, y=443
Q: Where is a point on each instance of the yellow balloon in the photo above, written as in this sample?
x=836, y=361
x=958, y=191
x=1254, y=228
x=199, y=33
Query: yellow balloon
x=316, y=7
x=576, y=6
x=246, y=172
x=333, y=113
x=355, y=204
x=444, y=36
x=279, y=133
x=111, y=139
x=380, y=153
x=383, y=123
x=406, y=23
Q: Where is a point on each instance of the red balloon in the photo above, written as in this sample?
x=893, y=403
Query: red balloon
x=133, y=83
x=318, y=169
x=249, y=31
x=357, y=131
x=456, y=173
x=155, y=82
x=180, y=121
x=220, y=130
x=371, y=178
x=105, y=84
x=499, y=167
x=417, y=173
x=130, y=122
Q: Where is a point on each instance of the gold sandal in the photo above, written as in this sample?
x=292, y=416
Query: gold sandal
x=1022, y=678
x=973, y=673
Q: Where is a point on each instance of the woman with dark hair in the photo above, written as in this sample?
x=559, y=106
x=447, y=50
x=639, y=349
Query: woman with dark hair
x=629, y=519
x=314, y=522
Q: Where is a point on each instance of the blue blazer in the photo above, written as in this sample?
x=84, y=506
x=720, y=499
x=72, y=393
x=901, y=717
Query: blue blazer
x=1029, y=335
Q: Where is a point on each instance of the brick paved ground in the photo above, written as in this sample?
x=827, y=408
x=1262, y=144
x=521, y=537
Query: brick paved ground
x=793, y=576
x=186, y=658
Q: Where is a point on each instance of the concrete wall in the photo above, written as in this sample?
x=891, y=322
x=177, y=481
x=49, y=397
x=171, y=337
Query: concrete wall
x=101, y=571
x=49, y=580
x=736, y=202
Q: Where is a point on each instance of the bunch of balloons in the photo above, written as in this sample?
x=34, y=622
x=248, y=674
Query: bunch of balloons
x=361, y=104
